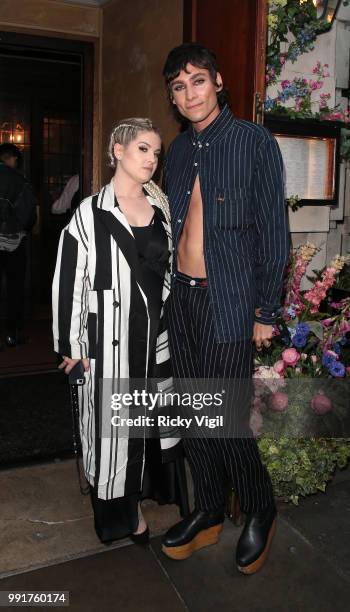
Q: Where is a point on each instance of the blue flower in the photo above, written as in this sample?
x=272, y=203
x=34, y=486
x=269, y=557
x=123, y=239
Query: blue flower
x=292, y=331
x=269, y=104
x=299, y=340
x=291, y=312
x=343, y=341
x=303, y=329
x=337, y=348
x=327, y=360
x=337, y=369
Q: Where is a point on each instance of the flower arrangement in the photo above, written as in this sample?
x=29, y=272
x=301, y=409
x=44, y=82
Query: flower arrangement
x=301, y=90
x=301, y=401
x=290, y=17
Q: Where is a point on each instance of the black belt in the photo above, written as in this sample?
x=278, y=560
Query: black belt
x=191, y=281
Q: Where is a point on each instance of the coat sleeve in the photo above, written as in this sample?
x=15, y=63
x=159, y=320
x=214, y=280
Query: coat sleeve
x=70, y=291
x=271, y=223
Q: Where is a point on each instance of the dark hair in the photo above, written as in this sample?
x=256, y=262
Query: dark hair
x=197, y=55
x=7, y=149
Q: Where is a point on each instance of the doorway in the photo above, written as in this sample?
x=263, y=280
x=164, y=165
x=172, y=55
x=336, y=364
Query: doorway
x=45, y=110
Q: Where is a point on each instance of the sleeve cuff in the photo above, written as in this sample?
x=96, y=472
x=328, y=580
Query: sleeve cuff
x=74, y=351
x=266, y=315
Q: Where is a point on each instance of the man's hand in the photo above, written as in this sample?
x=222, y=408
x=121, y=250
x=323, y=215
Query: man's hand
x=262, y=335
x=68, y=364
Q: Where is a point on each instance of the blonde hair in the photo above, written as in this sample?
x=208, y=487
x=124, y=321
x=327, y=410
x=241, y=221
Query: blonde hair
x=125, y=131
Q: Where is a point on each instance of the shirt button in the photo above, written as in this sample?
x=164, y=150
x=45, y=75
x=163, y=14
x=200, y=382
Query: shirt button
x=116, y=304
x=192, y=282
x=207, y=144
x=200, y=146
x=179, y=220
x=195, y=163
x=188, y=193
x=115, y=342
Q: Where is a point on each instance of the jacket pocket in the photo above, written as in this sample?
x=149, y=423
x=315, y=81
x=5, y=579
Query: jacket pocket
x=232, y=208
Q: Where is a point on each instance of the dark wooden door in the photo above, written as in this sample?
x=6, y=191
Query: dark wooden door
x=236, y=31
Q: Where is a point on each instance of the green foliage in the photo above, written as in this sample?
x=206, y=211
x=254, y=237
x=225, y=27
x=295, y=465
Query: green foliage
x=290, y=17
x=345, y=143
x=299, y=466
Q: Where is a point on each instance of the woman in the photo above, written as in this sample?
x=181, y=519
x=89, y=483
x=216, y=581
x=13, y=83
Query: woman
x=111, y=281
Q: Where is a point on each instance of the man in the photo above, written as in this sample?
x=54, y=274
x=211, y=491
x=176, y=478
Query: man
x=17, y=217
x=223, y=178
x=69, y=198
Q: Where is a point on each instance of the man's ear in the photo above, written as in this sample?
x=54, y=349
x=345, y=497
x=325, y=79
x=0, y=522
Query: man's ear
x=219, y=84
x=118, y=151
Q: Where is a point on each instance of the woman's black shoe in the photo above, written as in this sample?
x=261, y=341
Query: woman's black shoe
x=140, y=538
x=198, y=530
x=255, y=540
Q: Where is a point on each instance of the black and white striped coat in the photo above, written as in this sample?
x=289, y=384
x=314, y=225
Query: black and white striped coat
x=97, y=264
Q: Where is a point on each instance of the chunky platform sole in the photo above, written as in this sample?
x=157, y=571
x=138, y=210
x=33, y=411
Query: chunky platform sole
x=256, y=565
x=206, y=537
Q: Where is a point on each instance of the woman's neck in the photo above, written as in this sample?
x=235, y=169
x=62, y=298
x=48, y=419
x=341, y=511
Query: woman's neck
x=124, y=186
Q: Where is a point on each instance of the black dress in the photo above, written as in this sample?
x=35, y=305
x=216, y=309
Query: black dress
x=163, y=482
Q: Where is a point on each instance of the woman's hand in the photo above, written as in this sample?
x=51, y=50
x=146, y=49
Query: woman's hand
x=262, y=335
x=68, y=364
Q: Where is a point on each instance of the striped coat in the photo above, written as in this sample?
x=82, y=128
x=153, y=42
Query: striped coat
x=97, y=275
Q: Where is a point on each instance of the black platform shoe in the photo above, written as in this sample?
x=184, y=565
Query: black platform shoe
x=255, y=540
x=198, y=530
x=142, y=539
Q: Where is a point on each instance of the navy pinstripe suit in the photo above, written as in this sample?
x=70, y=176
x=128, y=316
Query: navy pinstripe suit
x=246, y=245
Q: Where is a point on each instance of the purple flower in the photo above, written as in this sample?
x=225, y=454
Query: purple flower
x=337, y=369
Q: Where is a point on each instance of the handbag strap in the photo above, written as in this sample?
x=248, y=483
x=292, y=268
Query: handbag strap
x=83, y=483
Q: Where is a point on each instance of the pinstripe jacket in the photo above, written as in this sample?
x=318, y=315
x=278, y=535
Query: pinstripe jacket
x=246, y=239
x=95, y=284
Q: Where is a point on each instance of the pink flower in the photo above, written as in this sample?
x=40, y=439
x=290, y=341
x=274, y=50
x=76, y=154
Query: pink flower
x=279, y=367
x=327, y=322
x=321, y=404
x=256, y=423
x=267, y=78
x=282, y=60
x=290, y=357
x=285, y=84
x=313, y=85
x=278, y=401
x=314, y=359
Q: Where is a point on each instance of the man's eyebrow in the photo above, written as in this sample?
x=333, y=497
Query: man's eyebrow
x=193, y=76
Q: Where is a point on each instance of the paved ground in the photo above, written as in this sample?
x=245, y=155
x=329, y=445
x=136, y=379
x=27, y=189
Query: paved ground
x=308, y=569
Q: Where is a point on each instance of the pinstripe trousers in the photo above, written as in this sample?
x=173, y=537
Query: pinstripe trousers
x=215, y=463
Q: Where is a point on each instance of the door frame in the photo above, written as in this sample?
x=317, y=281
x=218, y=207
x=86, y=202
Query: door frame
x=190, y=11
x=85, y=50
